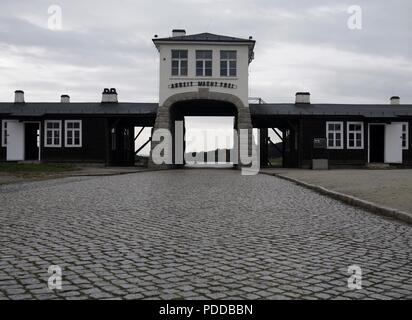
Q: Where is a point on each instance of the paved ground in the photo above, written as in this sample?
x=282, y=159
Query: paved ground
x=195, y=234
x=390, y=188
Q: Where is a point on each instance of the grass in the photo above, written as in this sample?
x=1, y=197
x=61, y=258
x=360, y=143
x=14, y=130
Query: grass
x=276, y=162
x=36, y=168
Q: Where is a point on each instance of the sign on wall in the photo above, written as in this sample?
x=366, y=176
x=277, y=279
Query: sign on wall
x=319, y=143
x=208, y=84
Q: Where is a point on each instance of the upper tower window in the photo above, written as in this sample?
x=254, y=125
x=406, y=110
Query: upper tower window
x=228, y=63
x=179, y=62
x=204, y=63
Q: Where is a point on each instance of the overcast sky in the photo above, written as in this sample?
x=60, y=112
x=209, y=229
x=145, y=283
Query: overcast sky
x=301, y=45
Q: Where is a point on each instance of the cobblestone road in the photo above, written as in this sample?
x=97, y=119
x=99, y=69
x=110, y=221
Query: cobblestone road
x=194, y=234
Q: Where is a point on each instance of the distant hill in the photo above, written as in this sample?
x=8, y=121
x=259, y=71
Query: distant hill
x=272, y=152
x=212, y=155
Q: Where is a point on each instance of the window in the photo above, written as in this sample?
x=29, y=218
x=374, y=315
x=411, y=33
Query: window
x=179, y=62
x=53, y=133
x=405, y=136
x=204, y=63
x=228, y=63
x=334, y=135
x=73, y=133
x=355, y=135
x=4, y=133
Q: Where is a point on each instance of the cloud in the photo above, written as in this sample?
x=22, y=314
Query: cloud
x=300, y=45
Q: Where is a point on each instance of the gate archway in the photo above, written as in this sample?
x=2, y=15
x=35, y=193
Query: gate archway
x=201, y=103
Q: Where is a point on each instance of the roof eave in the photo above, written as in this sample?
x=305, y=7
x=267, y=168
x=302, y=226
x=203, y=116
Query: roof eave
x=250, y=43
x=171, y=40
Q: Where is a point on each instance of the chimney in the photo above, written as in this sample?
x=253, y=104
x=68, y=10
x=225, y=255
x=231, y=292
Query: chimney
x=302, y=97
x=18, y=96
x=178, y=32
x=109, y=95
x=65, y=98
x=395, y=100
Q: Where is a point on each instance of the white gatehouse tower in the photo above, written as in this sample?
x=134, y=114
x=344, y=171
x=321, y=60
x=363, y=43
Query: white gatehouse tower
x=203, y=75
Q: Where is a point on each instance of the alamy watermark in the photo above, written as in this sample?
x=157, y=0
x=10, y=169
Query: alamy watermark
x=55, y=20
x=245, y=151
x=355, y=278
x=55, y=280
x=355, y=18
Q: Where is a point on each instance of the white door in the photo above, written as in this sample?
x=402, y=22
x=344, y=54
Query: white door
x=393, y=143
x=15, y=141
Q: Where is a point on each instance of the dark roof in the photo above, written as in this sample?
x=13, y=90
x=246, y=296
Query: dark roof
x=150, y=109
x=209, y=37
x=85, y=108
x=364, y=110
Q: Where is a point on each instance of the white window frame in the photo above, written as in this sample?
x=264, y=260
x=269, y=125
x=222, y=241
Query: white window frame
x=406, y=132
x=227, y=62
x=204, y=61
x=52, y=145
x=80, y=129
x=179, y=63
x=334, y=135
x=4, y=133
x=348, y=132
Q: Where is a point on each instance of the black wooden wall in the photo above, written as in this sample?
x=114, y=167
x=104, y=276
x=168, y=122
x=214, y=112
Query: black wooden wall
x=2, y=150
x=316, y=128
x=93, y=145
x=95, y=139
